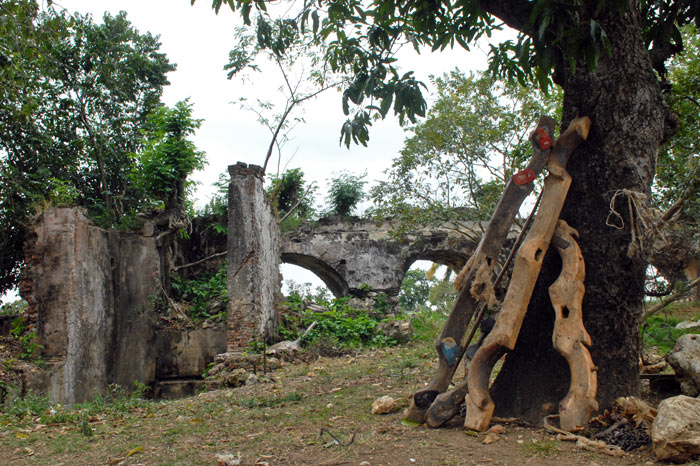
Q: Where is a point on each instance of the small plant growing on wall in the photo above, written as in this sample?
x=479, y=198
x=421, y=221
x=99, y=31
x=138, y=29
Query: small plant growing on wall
x=27, y=339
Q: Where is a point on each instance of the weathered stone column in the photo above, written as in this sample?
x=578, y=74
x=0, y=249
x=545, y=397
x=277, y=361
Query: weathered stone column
x=253, y=259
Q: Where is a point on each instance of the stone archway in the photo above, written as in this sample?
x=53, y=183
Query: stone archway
x=333, y=280
x=353, y=255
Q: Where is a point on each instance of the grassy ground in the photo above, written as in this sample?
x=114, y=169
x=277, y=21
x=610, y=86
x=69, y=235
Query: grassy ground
x=317, y=413
x=291, y=420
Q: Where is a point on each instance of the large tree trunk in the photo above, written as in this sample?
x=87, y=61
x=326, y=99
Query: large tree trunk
x=623, y=99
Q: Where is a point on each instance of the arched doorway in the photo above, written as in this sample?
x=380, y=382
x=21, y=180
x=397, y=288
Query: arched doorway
x=331, y=278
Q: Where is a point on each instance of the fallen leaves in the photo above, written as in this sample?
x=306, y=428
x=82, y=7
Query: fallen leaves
x=133, y=451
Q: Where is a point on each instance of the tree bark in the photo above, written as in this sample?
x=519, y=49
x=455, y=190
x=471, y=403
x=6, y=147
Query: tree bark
x=630, y=120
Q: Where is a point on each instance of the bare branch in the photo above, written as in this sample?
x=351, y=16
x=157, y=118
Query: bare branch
x=674, y=297
x=192, y=264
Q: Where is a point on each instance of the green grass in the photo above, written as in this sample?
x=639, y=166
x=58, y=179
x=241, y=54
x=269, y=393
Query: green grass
x=661, y=332
x=541, y=448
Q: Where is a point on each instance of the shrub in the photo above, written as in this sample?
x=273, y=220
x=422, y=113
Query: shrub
x=200, y=293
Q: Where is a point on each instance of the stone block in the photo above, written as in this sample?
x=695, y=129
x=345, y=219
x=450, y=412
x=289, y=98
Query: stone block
x=187, y=352
x=675, y=433
x=685, y=360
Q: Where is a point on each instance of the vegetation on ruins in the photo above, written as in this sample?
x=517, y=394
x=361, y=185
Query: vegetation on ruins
x=345, y=192
x=292, y=197
x=167, y=157
x=609, y=59
x=79, y=100
x=204, y=297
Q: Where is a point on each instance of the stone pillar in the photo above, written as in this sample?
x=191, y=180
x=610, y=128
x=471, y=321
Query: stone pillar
x=254, y=281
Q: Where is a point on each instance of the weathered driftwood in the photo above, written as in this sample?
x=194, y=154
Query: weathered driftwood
x=570, y=337
x=477, y=270
x=527, y=266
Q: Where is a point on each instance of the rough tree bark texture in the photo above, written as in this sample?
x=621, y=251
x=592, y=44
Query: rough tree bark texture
x=623, y=99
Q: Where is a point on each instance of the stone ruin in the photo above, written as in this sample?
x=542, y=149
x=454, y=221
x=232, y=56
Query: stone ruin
x=91, y=291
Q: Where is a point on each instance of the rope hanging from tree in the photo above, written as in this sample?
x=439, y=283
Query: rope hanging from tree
x=647, y=225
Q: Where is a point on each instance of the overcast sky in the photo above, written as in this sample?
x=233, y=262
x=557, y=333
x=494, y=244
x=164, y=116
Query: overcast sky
x=199, y=41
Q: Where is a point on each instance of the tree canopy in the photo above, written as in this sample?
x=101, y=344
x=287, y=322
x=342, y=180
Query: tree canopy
x=455, y=164
x=76, y=96
x=362, y=40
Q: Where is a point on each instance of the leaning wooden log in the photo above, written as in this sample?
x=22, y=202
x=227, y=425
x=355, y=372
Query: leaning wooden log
x=570, y=337
x=526, y=269
x=478, y=269
x=446, y=405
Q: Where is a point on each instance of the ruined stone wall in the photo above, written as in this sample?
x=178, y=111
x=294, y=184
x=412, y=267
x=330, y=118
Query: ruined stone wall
x=349, y=253
x=89, y=291
x=254, y=281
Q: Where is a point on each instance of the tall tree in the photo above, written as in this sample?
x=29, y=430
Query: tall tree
x=607, y=57
x=75, y=96
x=454, y=165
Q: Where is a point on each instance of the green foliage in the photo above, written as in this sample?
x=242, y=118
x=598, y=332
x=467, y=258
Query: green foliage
x=414, y=291
x=200, y=293
x=293, y=198
x=218, y=205
x=661, y=331
x=28, y=340
x=345, y=192
x=363, y=37
x=442, y=295
x=13, y=308
x=320, y=294
x=678, y=168
x=168, y=156
x=75, y=95
x=427, y=323
x=342, y=325
x=456, y=163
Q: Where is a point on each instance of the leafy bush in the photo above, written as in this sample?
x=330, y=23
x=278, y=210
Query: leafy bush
x=199, y=294
x=341, y=325
x=293, y=198
x=345, y=193
x=661, y=331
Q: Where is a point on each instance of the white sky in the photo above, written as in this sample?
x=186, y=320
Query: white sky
x=199, y=41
